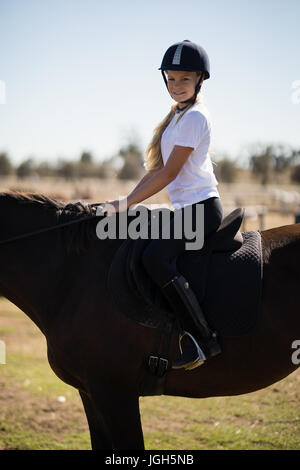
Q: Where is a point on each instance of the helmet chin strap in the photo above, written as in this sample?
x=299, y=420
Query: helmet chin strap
x=197, y=89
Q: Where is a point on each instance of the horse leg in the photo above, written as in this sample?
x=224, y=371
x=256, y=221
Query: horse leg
x=100, y=438
x=120, y=410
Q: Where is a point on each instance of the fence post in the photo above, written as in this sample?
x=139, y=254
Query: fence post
x=261, y=212
x=2, y=352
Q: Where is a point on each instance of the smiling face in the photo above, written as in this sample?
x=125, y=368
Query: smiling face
x=181, y=84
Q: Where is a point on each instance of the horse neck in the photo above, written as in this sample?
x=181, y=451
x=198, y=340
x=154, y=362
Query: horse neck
x=29, y=266
x=41, y=273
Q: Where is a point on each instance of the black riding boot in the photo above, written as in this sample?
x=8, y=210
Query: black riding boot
x=195, y=349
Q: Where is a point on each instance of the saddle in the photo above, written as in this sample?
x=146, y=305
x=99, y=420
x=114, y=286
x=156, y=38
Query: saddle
x=225, y=276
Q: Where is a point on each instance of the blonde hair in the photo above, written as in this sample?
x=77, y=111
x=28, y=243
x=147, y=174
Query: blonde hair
x=154, y=159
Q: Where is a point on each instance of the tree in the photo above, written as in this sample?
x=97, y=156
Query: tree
x=226, y=170
x=295, y=174
x=86, y=166
x=105, y=170
x=45, y=169
x=26, y=168
x=86, y=158
x=132, y=167
x=271, y=160
x=6, y=167
x=67, y=169
x=283, y=159
x=262, y=163
x=295, y=157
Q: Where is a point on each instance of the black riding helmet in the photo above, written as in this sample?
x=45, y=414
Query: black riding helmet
x=186, y=55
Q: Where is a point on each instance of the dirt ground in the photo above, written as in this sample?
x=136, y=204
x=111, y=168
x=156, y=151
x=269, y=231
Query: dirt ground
x=42, y=415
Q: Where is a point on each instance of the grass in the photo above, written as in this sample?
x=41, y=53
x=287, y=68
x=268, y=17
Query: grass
x=33, y=417
x=264, y=420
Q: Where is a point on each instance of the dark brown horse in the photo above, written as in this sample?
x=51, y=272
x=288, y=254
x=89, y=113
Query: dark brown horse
x=58, y=278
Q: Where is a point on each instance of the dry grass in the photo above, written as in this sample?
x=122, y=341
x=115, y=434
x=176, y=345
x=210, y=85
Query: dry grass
x=33, y=417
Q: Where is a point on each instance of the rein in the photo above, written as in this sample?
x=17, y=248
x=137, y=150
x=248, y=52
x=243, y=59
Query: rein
x=47, y=229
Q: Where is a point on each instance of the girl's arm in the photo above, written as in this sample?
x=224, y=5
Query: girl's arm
x=153, y=182
x=145, y=178
x=160, y=178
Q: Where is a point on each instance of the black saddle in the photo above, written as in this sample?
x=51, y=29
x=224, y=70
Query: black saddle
x=220, y=275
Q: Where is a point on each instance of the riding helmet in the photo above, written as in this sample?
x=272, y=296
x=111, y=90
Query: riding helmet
x=186, y=55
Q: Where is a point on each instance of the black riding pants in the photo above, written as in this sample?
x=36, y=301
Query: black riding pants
x=160, y=253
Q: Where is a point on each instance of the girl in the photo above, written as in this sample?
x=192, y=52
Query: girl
x=177, y=158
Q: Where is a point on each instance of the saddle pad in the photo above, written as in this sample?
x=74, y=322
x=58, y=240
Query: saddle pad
x=231, y=283
x=233, y=292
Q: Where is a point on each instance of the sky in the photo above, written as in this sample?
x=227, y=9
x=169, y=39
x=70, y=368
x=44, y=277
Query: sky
x=82, y=75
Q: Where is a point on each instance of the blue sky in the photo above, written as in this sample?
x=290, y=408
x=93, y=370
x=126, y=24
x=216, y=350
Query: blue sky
x=83, y=74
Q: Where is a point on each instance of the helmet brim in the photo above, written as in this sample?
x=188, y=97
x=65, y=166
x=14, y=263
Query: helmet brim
x=187, y=69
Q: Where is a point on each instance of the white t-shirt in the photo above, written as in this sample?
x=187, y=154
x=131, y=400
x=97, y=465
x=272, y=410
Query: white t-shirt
x=196, y=180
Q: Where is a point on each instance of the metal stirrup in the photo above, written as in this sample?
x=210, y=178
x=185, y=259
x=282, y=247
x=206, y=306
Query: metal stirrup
x=201, y=354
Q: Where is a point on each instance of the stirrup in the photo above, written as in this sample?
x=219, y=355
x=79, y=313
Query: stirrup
x=201, y=354
x=198, y=361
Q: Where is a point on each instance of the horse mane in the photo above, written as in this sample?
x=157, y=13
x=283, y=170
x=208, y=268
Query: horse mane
x=76, y=236
x=31, y=198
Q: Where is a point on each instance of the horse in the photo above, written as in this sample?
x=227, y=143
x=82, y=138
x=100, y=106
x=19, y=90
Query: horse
x=54, y=268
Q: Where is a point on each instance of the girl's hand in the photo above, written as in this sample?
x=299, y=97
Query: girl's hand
x=114, y=206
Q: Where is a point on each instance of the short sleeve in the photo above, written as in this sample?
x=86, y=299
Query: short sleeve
x=191, y=129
